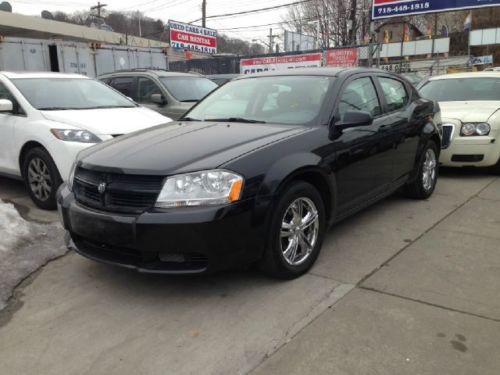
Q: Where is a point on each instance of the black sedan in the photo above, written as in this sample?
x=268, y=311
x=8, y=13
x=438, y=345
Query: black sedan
x=254, y=173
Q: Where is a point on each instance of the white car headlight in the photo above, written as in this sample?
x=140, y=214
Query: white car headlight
x=75, y=135
x=470, y=129
x=200, y=188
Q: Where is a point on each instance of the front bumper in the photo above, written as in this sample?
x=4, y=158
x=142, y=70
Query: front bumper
x=187, y=240
x=471, y=151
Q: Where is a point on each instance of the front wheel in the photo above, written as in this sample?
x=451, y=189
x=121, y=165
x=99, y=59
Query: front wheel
x=296, y=233
x=41, y=178
x=424, y=184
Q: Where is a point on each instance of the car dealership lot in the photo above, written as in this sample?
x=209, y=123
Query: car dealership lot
x=403, y=287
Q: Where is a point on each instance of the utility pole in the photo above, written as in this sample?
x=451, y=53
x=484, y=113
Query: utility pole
x=99, y=6
x=203, y=13
x=271, y=38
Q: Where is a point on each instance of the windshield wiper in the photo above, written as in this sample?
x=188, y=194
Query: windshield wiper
x=189, y=119
x=236, y=119
x=189, y=100
x=54, y=108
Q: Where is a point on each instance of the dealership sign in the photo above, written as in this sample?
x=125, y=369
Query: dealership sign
x=342, y=57
x=396, y=8
x=193, y=38
x=264, y=64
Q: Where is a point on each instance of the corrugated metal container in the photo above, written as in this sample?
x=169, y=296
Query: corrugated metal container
x=21, y=54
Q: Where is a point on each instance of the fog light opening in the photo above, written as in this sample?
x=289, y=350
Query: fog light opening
x=172, y=257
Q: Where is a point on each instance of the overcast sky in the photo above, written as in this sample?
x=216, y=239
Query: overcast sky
x=179, y=10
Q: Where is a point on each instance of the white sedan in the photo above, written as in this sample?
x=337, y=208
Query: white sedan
x=470, y=111
x=47, y=118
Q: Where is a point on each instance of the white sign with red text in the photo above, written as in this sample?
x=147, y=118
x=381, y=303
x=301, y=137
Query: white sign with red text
x=265, y=64
x=193, y=38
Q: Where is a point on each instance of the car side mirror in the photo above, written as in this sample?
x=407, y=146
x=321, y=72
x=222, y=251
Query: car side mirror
x=6, y=106
x=352, y=119
x=158, y=99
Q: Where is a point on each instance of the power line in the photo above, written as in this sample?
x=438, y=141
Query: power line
x=254, y=10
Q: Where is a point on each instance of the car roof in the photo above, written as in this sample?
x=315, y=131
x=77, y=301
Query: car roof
x=467, y=75
x=325, y=71
x=159, y=73
x=55, y=75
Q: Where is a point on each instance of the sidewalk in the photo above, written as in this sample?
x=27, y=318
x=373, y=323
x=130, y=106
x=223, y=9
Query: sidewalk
x=432, y=309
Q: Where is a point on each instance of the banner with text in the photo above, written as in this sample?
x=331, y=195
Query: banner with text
x=342, y=57
x=264, y=64
x=193, y=38
x=396, y=8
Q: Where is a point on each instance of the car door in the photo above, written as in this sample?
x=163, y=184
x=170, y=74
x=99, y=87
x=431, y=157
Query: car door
x=401, y=124
x=9, y=121
x=363, y=163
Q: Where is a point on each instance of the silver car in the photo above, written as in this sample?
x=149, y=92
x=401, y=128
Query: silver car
x=170, y=93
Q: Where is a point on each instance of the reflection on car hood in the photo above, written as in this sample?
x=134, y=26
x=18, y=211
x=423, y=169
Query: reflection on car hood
x=471, y=111
x=184, y=147
x=108, y=121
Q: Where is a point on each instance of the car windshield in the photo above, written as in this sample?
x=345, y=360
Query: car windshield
x=188, y=89
x=462, y=89
x=294, y=100
x=70, y=93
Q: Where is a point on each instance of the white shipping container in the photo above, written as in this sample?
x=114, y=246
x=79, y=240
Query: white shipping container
x=20, y=54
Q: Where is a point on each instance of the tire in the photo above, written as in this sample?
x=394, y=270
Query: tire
x=424, y=184
x=496, y=168
x=41, y=178
x=277, y=262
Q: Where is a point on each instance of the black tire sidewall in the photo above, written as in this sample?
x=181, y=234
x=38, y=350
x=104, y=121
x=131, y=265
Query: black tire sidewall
x=415, y=189
x=276, y=263
x=427, y=193
x=38, y=152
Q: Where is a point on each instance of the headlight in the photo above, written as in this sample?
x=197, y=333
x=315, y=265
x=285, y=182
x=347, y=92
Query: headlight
x=200, y=188
x=75, y=135
x=470, y=129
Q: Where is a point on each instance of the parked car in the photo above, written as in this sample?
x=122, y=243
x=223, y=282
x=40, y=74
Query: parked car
x=414, y=77
x=47, y=118
x=170, y=93
x=470, y=104
x=221, y=79
x=259, y=182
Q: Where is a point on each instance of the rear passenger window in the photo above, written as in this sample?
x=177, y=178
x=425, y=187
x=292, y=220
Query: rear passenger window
x=124, y=85
x=395, y=93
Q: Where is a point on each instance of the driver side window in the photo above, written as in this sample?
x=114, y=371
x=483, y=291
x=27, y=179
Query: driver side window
x=6, y=94
x=146, y=88
x=359, y=95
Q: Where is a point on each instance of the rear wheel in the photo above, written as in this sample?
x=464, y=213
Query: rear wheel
x=424, y=184
x=296, y=234
x=41, y=178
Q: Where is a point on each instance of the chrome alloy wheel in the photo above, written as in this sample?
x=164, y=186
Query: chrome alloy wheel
x=429, y=169
x=299, y=231
x=39, y=179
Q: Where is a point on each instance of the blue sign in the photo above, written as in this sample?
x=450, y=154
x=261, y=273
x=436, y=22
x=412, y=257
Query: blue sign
x=396, y=8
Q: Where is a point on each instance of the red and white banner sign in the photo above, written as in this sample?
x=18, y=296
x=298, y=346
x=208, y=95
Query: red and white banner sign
x=264, y=64
x=342, y=57
x=191, y=37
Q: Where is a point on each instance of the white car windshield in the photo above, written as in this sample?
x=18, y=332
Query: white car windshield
x=293, y=100
x=48, y=94
x=462, y=89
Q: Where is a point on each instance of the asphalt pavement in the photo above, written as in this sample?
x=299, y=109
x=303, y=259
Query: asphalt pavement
x=402, y=287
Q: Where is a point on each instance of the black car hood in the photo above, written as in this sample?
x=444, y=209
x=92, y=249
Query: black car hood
x=180, y=147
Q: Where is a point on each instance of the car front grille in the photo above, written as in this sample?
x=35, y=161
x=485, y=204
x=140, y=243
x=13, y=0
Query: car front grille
x=116, y=192
x=447, y=134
